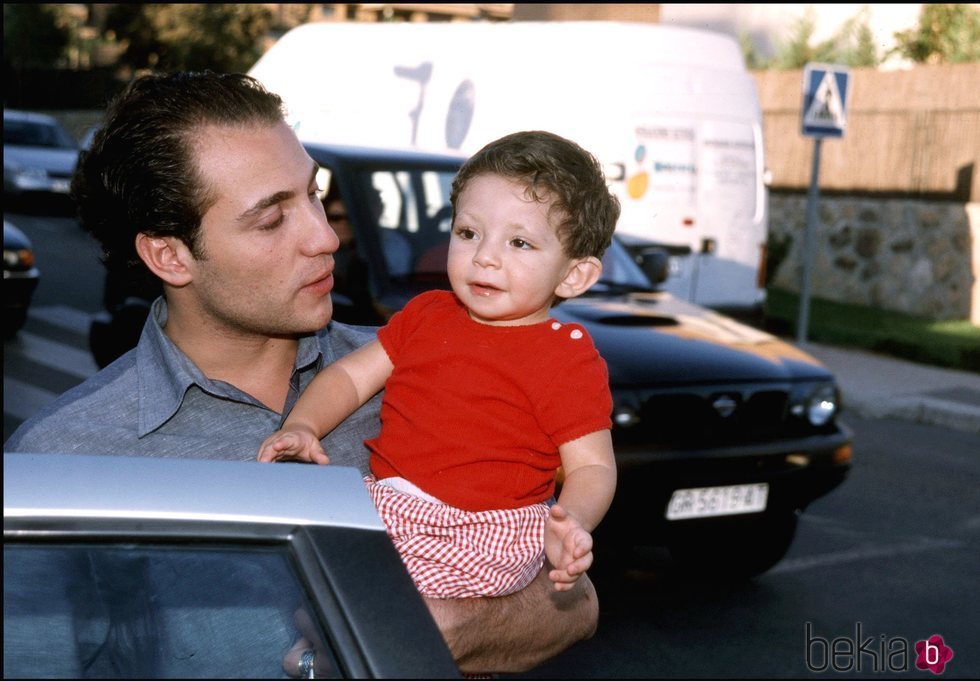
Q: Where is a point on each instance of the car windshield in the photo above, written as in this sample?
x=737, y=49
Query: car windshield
x=412, y=212
x=36, y=134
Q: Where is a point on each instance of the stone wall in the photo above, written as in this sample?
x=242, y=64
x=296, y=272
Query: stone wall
x=899, y=218
x=915, y=256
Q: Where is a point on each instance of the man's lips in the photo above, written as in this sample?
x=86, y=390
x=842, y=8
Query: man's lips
x=322, y=285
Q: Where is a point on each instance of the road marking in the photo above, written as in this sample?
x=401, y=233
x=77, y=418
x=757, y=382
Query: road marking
x=25, y=399
x=853, y=555
x=63, y=317
x=59, y=356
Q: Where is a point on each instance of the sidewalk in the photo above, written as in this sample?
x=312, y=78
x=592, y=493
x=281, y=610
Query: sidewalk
x=877, y=386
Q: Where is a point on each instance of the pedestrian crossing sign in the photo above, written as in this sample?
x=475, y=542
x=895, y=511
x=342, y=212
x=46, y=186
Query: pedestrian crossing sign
x=825, y=96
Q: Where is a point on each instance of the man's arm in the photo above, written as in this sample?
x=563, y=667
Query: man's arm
x=514, y=633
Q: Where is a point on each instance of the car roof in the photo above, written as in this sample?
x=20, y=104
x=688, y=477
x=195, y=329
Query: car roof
x=83, y=486
x=29, y=116
x=361, y=153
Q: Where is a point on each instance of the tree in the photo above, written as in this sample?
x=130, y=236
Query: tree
x=947, y=33
x=852, y=45
x=191, y=37
x=33, y=36
x=798, y=51
x=855, y=43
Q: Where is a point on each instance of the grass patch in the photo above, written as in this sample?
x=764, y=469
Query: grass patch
x=953, y=344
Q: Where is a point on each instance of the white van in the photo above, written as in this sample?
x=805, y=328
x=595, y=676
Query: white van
x=671, y=112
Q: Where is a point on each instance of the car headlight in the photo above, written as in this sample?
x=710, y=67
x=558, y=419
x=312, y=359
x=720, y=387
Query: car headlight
x=28, y=177
x=819, y=406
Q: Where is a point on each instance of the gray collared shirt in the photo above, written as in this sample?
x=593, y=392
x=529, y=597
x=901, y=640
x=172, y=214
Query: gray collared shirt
x=154, y=401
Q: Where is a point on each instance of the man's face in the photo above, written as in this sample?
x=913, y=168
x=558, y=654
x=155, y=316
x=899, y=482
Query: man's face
x=266, y=250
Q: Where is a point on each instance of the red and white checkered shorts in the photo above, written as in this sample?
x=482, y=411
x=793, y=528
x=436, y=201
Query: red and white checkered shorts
x=452, y=553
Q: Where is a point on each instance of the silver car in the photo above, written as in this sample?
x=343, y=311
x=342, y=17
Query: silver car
x=146, y=567
x=39, y=155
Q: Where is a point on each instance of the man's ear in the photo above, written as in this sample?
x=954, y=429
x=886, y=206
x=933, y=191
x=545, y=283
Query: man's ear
x=166, y=256
x=581, y=274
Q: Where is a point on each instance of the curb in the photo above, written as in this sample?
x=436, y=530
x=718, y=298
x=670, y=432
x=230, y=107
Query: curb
x=917, y=409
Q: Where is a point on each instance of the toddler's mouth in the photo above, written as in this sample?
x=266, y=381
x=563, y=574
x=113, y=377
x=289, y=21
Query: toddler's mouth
x=481, y=289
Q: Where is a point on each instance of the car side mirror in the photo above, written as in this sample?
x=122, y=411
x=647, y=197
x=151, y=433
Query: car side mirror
x=655, y=263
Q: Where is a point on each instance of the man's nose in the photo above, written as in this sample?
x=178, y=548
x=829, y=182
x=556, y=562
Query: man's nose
x=318, y=235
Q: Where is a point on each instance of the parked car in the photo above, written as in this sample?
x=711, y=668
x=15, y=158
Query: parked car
x=39, y=156
x=119, y=567
x=723, y=434
x=20, y=278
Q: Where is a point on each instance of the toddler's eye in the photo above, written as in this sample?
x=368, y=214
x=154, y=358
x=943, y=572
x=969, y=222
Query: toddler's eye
x=464, y=233
x=521, y=244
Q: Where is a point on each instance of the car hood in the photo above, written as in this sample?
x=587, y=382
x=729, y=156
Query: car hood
x=13, y=238
x=58, y=161
x=654, y=339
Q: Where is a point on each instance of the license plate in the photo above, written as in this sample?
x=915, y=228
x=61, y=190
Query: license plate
x=705, y=502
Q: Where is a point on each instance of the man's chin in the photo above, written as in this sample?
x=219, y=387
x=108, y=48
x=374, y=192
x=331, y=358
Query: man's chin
x=310, y=322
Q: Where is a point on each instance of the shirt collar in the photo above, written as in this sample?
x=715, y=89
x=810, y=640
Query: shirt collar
x=165, y=373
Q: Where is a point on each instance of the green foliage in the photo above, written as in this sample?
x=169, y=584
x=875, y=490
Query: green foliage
x=954, y=344
x=796, y=52
x=947, y=33
x=33, y=36
x=191, y=37
x=852, y=45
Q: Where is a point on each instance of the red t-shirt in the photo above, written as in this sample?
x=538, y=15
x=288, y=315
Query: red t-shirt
x=474, y=414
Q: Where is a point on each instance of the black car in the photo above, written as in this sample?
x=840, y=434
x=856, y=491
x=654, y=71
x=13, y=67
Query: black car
x=723, y=434
x=20, y=278
x=118, y=567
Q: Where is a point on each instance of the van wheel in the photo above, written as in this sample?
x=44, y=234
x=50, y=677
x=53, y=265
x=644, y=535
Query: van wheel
x=733, y=552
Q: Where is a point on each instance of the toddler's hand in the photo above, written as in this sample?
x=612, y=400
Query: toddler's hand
x=292, y=445
x=568, y=547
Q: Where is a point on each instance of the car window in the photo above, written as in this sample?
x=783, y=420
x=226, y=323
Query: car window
x=80, y=610
x=34, y=134
x=411, y=207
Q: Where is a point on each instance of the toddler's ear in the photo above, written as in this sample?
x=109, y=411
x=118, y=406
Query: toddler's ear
x=581, y=274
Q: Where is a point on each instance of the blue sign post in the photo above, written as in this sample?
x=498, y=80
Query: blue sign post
x=826, y=89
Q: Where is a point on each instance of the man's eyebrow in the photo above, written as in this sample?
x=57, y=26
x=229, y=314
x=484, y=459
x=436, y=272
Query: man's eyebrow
x=273, y=199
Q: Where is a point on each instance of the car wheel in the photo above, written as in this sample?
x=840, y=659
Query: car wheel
x=733, y=552
x=14, y=322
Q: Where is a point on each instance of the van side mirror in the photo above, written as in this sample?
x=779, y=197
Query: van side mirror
x=655, y=263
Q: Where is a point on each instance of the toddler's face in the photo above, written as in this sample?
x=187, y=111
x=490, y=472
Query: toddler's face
x=505, y=259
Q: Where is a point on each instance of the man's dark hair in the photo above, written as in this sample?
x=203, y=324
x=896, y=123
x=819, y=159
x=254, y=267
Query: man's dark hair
x=140, y=174
x=553, y=169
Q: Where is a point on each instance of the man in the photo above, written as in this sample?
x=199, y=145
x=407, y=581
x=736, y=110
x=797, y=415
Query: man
x=197, y=180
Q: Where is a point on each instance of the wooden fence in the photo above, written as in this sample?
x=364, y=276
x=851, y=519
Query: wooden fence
x=909, y=133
